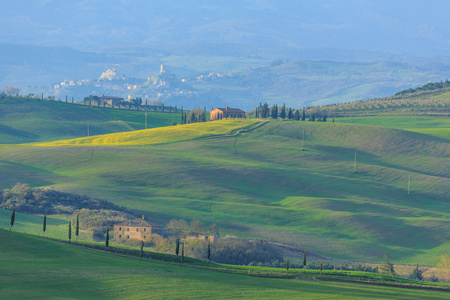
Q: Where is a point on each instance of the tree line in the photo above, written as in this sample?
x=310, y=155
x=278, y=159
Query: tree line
x=431, y=86
x=194, y=116
x=275, y=112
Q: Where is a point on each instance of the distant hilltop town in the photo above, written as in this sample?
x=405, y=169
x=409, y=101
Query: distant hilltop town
x=161, y=86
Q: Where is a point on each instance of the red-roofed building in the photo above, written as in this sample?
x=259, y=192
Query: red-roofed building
x=226, y=113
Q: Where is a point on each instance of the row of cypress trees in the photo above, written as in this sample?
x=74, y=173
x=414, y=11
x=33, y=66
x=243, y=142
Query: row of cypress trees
x=44, y=224
x=263, y=111
x=177, y=247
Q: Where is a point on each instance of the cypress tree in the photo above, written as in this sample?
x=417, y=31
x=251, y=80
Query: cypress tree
x=208, y=253
x=182, y=253
x=283, y=111
x=304, y=260
x=44, y=226
x=177, y=247
x=70, y=231
x=107, y=237
x=266, y=110
x=142, y=249
x=321, y=268
x=13, y=218
x=77, y=230
x=287, y=265
x=274, y=112
x=297, y=115
x=303, y=115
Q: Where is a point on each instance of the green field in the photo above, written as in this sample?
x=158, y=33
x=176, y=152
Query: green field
x=33, y=120
x=428, y=125
x=33, y=268
x=266, y=187
x=57, y=227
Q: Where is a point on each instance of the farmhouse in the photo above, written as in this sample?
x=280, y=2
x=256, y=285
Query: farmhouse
x=226, y=113
x=111, y=100
x=137, y=229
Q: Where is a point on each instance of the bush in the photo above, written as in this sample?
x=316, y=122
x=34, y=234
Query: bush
x=234, y=251
x=48, y=201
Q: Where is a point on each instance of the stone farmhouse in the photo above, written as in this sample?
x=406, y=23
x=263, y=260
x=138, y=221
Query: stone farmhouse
x=111, y=100
x=137, y=229
x=226, y=113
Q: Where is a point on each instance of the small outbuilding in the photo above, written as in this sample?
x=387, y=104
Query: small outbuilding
x=226, y=113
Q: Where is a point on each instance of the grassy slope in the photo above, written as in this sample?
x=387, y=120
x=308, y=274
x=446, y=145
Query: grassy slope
x=161, y=135
x=40, y=269
x=24, y=121
x=428, y=125
x=56, y=226
x=271, y=189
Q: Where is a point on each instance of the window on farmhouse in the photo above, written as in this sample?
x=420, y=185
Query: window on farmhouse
x=137, y=229
x=128, y=229
x=128, y=236
x=120, y=228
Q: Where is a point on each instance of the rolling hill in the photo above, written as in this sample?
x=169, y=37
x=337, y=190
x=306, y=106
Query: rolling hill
x=253, y=180
x=32, y=267
x=31, y=120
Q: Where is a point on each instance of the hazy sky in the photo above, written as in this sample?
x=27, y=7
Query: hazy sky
x=399, y=26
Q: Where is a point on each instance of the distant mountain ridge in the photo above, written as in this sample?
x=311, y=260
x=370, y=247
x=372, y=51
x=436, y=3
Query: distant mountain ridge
x=232, y=26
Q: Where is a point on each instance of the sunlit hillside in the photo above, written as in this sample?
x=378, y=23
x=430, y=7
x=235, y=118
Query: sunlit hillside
x=32, y=120
x=161, y=135
x=252, y=179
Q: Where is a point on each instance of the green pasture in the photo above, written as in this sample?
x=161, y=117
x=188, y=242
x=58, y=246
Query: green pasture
x=31, y=267
x=56, y=227
x=438, y=126
x=33, y=120
x=258, y=183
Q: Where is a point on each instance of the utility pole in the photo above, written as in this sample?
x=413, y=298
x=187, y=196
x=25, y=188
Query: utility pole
x=88, y=127
x=354, y=165
x=145, y=120
x=303, y=138
x=409, y=183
